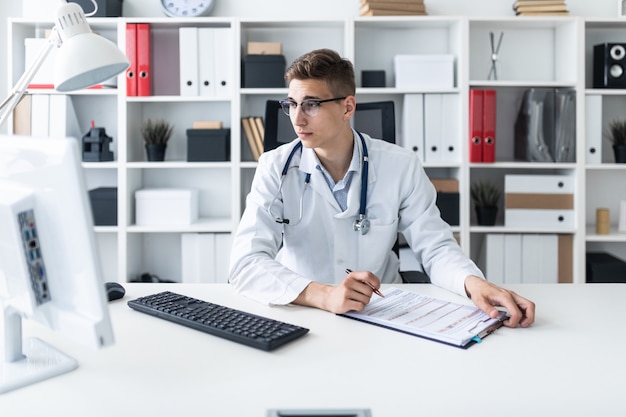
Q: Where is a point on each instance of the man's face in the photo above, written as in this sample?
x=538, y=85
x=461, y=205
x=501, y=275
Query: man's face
x=322, y=129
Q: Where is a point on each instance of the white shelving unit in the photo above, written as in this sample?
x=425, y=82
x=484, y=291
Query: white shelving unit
x=603, y=179
x=535, y=52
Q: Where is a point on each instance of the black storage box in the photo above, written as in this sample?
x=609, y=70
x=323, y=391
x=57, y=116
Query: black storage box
x=448, y=204
x=373, y=78
x=208, y=145
x=263, y=71
x=106, y=8
x=104, y=206
x=604, y=267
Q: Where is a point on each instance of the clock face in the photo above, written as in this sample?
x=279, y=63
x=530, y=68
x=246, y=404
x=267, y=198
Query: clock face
x=187, y=8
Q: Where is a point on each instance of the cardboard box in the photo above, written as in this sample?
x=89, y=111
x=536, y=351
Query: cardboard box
x=166, y=206
x=446, y=185
x=264, y=48
x=104, y=206
x=264, y=71
x=424, y=71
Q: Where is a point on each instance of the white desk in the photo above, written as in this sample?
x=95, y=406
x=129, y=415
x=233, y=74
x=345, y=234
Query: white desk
x=571, y=362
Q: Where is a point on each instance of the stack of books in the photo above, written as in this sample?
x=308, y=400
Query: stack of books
x=254, y=131
x=540, y=8
x=392, y=7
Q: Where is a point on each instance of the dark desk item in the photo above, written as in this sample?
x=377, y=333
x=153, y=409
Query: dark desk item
x=231, y=324
x=104, y=206
x=448, y=204
x=106, y=8
x=114, y=291
x=263, y=71
x=208, y=145
x=96, y=146
x=603, y=267
x=373, y=78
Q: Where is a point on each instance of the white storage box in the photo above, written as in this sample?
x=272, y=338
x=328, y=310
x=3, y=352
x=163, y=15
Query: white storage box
x=424, y=71
x=166, y=206
x=537, y=201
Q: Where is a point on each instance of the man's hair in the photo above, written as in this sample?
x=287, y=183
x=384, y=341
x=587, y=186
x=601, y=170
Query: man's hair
x=326, y=65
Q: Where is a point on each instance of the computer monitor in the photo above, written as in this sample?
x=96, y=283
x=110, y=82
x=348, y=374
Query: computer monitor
x=377, y=119
x=49, y=268
x=278, y=127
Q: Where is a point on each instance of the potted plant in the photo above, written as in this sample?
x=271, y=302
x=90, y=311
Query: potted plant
x=485, y=195
x=156, y=134
x=617, y=135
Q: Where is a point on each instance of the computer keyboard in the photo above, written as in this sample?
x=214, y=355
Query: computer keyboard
x=235, y=325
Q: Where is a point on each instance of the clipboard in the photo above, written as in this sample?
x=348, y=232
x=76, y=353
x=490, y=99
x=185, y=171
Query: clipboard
x=453, y=324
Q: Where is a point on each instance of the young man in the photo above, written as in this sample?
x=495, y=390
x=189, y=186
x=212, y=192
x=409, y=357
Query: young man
x=333, y=201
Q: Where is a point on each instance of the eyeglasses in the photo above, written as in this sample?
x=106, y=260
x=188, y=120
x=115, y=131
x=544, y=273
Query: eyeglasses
x=309, y=107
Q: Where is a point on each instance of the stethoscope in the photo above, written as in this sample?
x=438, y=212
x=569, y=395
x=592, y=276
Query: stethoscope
x=361, y=223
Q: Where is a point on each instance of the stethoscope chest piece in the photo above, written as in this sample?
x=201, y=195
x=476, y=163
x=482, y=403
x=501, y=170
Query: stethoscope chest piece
x=362, y=224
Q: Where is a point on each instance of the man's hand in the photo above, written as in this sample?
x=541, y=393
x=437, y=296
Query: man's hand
x=487, y=296
x=352, y=294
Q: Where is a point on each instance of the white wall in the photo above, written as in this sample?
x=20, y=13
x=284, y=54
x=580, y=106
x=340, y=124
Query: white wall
x=297, y=9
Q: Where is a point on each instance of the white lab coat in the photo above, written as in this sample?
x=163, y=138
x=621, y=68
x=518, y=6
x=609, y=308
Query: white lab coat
x=273, y=263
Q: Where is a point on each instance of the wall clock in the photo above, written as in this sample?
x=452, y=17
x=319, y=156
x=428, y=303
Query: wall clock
x=187, y=8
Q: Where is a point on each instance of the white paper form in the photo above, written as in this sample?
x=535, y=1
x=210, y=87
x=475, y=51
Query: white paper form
x=437, y=319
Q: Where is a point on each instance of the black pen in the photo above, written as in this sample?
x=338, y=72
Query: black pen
x=376, y=291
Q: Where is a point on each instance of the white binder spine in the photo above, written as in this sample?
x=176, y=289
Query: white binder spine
x=593, y=129
x=207, y=61
x=188, y=42
x=223, y=61
x=413, y=124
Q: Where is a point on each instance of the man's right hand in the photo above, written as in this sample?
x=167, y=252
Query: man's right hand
x=352, y=294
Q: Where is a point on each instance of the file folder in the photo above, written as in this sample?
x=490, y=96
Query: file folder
x=144, y=67
x=413, y=124
x=489, y=126
x=62, y=117
x=593, y=128
x=131, y=54
x=450, y=147
x=223, y=61
x=40, y=115
x=545, y=128
x=476, y=126
x=188, y=43
x=206, y=57
x=440, y=128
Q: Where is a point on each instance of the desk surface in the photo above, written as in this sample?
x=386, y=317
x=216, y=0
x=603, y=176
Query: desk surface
x=572, y=362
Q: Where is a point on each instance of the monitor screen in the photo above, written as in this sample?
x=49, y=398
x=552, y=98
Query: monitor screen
x=377, y=119
x=278, y=127
x=49, y=268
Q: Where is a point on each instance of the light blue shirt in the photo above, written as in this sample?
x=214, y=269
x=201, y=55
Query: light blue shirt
x=341, y=188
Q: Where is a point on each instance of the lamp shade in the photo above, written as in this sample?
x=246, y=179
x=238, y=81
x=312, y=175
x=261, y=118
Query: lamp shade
x=84, y=58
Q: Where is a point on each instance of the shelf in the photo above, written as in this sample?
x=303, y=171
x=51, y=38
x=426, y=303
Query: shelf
x=613, y=236
x=524, y=165
x=505, y=229
x=203, y=225
x=561, y=56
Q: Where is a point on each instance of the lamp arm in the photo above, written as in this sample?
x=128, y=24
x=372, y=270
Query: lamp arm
x=10, y=103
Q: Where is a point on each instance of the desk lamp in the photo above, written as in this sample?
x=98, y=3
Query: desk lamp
x=83, y=60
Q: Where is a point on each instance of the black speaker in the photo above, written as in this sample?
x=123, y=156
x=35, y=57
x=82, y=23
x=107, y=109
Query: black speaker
x=609, y=65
